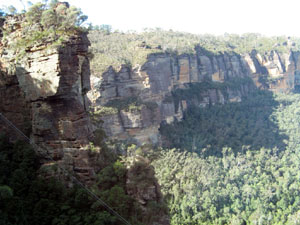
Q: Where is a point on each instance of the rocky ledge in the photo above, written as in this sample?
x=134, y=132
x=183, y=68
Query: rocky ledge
x=44, y=94
x=133, y=102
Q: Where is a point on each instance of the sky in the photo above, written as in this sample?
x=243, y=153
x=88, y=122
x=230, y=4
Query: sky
x=268, y=17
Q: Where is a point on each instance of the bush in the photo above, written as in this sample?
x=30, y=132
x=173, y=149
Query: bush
x=29, y=199
x=117, y=48
x=51, y=23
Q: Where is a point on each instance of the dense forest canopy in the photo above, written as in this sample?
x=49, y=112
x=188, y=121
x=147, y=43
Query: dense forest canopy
x=131, y=48
x=29, y=197
x=244, y=167
x=225, y=164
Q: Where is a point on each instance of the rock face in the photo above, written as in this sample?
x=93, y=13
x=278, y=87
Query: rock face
x=44, y=95
x=142, y=186
x=46, y=90
x=10, y=92
x=164, y=75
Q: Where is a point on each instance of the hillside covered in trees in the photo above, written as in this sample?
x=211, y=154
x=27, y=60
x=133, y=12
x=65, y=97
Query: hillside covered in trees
x=222, y=164
x=231, y=161
x=243, y=167
x=131, y=48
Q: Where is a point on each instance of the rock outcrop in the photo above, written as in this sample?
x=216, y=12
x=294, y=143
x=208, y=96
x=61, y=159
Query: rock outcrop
x=43, y=93
x=142, y=186
x=133, y=102
x=46, y=91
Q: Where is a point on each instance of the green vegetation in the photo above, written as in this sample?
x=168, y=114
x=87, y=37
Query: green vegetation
x=132, y=48
x=28, y=198
x=103, y=111
x=238, y=163
x=230, y=164
x=113, y=107
x=128, y=104
x=45, y=23
x=208, y=130
x=196, y=90
x=259, y=187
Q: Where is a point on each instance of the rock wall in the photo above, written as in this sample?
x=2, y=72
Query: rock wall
x=164, y=75
x=44, y=94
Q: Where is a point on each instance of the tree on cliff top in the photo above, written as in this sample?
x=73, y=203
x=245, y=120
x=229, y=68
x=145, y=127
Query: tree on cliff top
x=55, y=15
x=45, y=22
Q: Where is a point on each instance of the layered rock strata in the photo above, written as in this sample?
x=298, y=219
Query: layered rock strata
x=228, y=76
x=45, y=92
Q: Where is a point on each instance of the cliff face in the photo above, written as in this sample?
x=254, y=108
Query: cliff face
x=46, y=91
x=133, y=102
x=44, y=94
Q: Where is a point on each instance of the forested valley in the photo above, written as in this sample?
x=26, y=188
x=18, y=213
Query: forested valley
x=223, y=163
x=234, y=164
x=248, y=174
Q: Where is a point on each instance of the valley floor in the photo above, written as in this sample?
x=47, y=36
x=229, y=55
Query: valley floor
x=234, y=164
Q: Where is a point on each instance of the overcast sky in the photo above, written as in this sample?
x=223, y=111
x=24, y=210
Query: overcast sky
x=268, y=17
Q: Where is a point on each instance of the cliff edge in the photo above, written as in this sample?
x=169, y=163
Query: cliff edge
x=132, y=102
x=43, y=92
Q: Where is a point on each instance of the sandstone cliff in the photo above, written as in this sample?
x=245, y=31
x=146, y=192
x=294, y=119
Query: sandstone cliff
x=133, y=102
x=44, y=94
